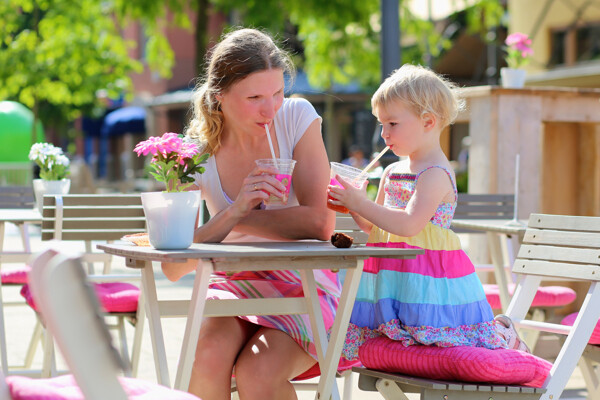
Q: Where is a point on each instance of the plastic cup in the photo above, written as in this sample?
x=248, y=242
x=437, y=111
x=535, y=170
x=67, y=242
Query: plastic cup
x=285, y=168
x=351, y=174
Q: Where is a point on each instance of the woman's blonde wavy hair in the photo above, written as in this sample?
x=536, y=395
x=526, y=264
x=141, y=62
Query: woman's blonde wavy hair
x=423, y=91
x=237, y=55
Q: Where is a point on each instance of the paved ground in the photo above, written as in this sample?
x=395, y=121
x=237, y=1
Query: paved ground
x=20, y=321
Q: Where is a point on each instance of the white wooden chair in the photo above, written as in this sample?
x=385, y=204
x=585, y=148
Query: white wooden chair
x=554, y=246
x=92, y=217
x=71, y=312
x=501, y=206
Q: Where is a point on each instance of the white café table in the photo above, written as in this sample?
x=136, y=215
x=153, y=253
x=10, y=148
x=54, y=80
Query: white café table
x=496, y=230
x=304, y=256
x=20, y=217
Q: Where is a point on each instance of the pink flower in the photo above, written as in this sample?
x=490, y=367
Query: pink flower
x=518, y=48
x=173, y=160
x=520, y=40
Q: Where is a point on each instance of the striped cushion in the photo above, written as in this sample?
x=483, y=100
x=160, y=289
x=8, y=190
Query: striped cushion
x=113, y=296
x=464, y=364
x=546, y=296
x=65, y=388
x=570, y=320
x=15, y=275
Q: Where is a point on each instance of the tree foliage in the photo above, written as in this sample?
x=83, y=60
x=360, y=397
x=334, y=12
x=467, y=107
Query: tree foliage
x=341, y=38
x=59, y=53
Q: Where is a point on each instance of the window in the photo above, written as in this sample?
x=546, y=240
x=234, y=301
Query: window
x=575, y=44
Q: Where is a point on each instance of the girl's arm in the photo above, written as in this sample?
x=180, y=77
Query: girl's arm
x=363, y=223
x=311, y=219
x=433, y=185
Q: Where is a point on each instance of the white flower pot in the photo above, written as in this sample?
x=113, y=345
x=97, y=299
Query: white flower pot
x=42, y=187
x=512, y=77
x=171, y=218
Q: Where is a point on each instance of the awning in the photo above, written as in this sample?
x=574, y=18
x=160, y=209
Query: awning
x=124, y=120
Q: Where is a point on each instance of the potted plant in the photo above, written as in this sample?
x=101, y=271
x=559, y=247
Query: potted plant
x=518, y=50
x=171, y=214
x=54, y=170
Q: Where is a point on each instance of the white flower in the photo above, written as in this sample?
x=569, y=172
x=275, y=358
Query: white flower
x=54, y=165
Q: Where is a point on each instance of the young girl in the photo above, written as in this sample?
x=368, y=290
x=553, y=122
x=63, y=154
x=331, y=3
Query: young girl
x=435, y=299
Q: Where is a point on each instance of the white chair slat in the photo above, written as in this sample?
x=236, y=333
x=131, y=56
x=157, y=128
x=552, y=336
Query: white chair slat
x=557, y=269
x=553, y=253
x=562, y=238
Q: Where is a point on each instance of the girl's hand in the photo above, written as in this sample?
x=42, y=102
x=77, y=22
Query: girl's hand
x=256, y=188
x=348, y=196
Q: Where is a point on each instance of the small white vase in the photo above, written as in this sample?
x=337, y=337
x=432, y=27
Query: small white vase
x=42, y=187
x=171, y=218
x=513, y=77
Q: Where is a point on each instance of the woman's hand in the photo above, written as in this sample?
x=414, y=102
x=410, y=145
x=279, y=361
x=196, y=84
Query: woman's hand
x=256, y=188
x=348, y=196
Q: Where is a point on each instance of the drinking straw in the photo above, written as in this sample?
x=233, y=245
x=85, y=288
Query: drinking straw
x=368, y=167
x=271, y=145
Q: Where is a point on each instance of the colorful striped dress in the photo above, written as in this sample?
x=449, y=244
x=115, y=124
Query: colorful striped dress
x=434, y=299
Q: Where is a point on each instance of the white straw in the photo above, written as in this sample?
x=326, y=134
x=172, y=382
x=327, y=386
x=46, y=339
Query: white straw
x=271, y=146
x=368, y=167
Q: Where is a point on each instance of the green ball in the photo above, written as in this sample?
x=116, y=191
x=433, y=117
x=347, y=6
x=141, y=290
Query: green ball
x=15, y=132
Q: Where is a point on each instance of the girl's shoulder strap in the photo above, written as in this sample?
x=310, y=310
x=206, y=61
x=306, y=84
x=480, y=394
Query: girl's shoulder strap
x=447, y=172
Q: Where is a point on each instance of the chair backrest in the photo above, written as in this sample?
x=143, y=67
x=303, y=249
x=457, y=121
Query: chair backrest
x=560, y=246
x=92, y=216
x=16, y=197
x=345, y=223
x=72, y=314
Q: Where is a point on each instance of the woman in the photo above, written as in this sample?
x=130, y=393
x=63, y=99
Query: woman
x=242, y=93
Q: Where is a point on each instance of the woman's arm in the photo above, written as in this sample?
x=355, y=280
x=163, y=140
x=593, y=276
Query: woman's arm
x=311, y=219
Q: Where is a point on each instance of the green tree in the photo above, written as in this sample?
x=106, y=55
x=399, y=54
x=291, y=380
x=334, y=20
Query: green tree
x=55, y=54
x=341, y=38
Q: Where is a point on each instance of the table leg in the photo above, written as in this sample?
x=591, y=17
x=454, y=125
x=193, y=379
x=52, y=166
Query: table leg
x=24, y=229
x=156, y=332
x=495, y=246
x=317, y=324
x=340, y=327
x=3, y=355
x=192, y=326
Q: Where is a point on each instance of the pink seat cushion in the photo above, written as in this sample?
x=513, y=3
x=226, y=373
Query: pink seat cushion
x=570, y=320
x=546, y=296
x=464, y=364
x=113, y=296
x=15, y=275
x=65, y=388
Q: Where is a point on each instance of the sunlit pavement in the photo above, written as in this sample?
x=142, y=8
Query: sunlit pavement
x=20, y=322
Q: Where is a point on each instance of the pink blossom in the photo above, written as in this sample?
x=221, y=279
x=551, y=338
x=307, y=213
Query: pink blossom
x=519, y=39
x=189, y=150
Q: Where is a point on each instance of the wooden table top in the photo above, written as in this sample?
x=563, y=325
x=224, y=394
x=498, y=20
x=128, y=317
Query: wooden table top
x=300, y=249
x=20, y=215
x=507, y=226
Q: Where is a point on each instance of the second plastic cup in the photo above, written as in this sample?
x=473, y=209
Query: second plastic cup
x=351, y=174
x=285, y=168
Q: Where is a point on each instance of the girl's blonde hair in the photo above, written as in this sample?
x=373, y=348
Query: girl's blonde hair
x=237, y=55
x=423, y=91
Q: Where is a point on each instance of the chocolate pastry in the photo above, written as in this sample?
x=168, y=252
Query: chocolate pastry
x=341, y=240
